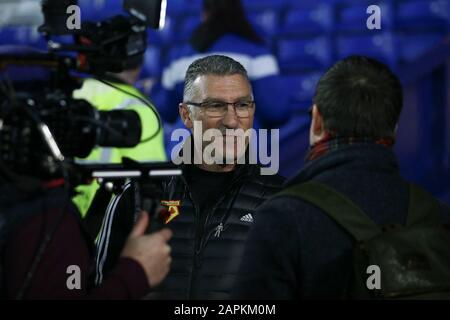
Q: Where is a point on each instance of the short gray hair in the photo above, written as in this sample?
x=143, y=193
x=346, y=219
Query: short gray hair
x=217, y=65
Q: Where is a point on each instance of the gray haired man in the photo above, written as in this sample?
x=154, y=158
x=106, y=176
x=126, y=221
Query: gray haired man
x=212, y=205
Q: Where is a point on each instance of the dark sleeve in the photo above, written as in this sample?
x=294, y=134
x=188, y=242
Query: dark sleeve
x=127, y=281
x=270, y=262
x=117, y=225
x=67, y=248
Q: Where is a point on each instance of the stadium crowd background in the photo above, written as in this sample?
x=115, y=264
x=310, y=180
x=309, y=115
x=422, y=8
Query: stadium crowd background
x=308, y=36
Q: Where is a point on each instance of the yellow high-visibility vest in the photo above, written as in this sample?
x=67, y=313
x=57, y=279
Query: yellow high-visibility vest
x=106, y=98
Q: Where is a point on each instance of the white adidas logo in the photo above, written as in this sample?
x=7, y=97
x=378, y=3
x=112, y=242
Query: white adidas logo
x=247, y=218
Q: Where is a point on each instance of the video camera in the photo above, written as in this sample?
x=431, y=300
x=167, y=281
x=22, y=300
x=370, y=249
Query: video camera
x=106, y=46
x=42, y=127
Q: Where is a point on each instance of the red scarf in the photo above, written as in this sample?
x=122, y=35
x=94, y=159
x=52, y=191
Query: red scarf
x=331, y=142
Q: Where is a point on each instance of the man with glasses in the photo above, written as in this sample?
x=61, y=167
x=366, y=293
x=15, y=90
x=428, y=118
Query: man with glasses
x=211, y=207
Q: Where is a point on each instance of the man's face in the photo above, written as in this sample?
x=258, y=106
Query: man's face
x=229, y=89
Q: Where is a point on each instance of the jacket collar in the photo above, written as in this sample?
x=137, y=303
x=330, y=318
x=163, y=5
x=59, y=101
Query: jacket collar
x=348, y=157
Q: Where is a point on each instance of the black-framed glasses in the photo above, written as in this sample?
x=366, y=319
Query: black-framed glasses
x=217, y=109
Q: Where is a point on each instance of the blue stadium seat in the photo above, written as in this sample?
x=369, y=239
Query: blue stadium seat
x=251, y=5
x=176, y=8
x=307, y=3
x=174, y=53
x=315, y=19
x=380, y=46
x=152, y=63
x=302, y=88
x=423, y=14
x=267, y=21
x=98, y=10
x=22, y=36
x=187, y=27
x=167, y=33
x=36, y=39
x=303, y=54
x=8, y=36
x=154, y=38
x=414, y=45
x=352, y=16
x=448, y=16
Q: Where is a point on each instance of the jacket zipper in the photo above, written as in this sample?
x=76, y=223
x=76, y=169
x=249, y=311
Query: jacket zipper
x=196, y=218
x=197, y=246
x=197, y=237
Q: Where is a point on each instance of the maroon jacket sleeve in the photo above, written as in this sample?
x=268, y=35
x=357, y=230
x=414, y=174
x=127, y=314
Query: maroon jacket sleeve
x=68, y=247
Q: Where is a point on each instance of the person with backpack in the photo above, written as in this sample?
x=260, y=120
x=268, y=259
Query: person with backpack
x=348, y=225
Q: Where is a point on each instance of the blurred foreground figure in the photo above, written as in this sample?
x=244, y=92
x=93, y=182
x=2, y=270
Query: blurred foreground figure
x=46, y=254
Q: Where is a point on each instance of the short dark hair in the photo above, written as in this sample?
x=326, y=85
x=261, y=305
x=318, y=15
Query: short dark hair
x=212, y=65
x=360, y=97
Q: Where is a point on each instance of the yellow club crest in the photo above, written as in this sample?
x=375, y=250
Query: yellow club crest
x=173, y=210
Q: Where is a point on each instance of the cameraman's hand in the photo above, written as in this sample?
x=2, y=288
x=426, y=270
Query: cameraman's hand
x=151, y=251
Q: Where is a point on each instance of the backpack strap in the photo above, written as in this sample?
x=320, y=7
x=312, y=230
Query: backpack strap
x=341, y=209
x=424, y=209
